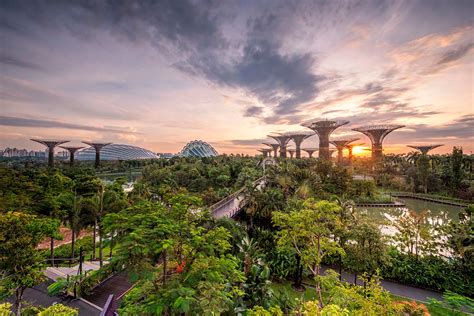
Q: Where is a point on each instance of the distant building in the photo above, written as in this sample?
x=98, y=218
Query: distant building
x=116, y=152
x=165, y=155
x=198, y=148
x=17, y=153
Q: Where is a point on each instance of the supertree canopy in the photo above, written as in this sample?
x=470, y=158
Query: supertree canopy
x=377, y=134
x=324, y=130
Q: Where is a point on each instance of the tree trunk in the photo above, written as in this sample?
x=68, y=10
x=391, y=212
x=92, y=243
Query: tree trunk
x=297, y=278
x=340, y=268
x=355, y=278
x=73, y=243
x=52, y=251
x=318, y=287
x=164, y=267
x=111, y=243
x=18, y=298
x=318, y=281
x=251, y=223
x=101, y=258
x=94, y=232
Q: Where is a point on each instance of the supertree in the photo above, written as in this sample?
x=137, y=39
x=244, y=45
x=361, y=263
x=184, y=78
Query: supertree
x=274, y=148
x=72, y=152
x=349, y=149
x=298, y=138
x=424, y=149
x=310, y=151
x=98, y=147
x=282, y=140
x=51, y=144
x=377, y=134
x=340, y=145
x=265, y=151
x=324, y=130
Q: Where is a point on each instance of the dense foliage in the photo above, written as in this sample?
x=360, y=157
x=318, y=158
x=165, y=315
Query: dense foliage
x=291, y=231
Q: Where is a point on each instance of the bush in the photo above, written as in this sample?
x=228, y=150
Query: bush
x=428, y=272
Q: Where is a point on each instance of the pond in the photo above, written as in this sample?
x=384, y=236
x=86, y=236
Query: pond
x=436, y=213
x=131, y=177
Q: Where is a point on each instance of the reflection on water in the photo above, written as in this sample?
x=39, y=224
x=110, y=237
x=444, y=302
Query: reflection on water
x=436, y=213
x=130, y=178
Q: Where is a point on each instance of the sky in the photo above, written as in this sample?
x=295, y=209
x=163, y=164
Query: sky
x=158, y=74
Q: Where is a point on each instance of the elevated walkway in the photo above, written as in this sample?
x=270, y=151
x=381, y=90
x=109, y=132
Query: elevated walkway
x=232, y=204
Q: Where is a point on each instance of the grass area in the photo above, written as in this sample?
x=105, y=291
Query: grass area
x=64, y=251
x=308, y=294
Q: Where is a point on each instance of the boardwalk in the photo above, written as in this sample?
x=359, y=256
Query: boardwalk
x=54, y=273
x=441, y=200
x=231, y=205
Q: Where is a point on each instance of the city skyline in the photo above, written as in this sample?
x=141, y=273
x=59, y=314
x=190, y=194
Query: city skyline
x=230, y=73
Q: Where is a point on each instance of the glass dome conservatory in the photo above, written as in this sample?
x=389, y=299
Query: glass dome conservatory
x=116, y=152
x=198, y=148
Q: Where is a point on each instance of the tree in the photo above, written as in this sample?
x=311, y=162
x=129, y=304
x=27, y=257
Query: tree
x=414, y=235
x=70, y=204
x=308, y=232
x=367, y=250
x=20, y=263
x=183, y=264
x=423, y=170
x=460, y=239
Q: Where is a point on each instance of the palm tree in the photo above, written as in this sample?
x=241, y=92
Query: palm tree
x=70, y=204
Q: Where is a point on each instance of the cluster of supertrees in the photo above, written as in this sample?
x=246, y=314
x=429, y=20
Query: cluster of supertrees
x=324, y=129
x=51, y=144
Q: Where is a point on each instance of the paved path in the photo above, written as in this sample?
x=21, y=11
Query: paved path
x=38, y=295
x=54, y=273
x=117, y=285
x=399, y=289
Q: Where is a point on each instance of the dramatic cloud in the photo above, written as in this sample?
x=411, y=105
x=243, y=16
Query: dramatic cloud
x=26, y=122
x=191, y=69
x=253, y=111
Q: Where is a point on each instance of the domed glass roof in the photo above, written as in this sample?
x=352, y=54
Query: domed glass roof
x=198, y=148
x=116, y=152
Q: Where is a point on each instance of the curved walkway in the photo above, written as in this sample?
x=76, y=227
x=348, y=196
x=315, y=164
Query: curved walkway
x=232, y=204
